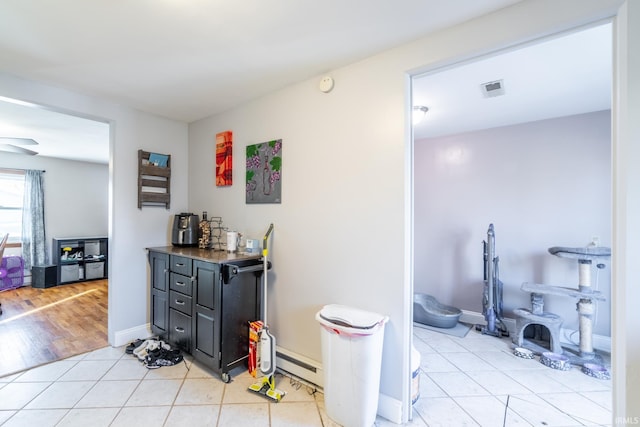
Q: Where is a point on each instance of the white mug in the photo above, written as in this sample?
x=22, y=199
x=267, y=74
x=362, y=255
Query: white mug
x=233, y=239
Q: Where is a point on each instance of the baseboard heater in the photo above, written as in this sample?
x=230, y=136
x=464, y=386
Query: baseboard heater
x=299, y=366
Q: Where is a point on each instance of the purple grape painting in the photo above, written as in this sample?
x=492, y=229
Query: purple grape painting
x=264, y=172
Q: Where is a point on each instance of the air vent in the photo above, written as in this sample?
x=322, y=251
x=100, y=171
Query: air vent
x=491, y=89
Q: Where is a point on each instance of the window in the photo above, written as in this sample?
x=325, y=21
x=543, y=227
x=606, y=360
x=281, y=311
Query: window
x=11, y=194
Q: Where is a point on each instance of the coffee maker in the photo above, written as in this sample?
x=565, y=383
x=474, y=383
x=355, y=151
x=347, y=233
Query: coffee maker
x=185, y=230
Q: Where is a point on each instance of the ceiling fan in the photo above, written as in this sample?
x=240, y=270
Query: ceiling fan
x=12, y=145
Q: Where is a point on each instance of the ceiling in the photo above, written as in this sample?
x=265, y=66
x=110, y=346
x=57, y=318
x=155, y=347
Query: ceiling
x=189, y=59
x=566, y=75
x=58, y=135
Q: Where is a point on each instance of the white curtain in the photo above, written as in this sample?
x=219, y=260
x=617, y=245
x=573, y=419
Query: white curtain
x=34, y=247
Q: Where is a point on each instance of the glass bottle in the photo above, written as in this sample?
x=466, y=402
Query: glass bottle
x=205, y=232
x=266, y=178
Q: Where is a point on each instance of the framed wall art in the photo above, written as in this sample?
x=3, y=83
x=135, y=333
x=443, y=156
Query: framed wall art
x=264, y=172
x=224, y=158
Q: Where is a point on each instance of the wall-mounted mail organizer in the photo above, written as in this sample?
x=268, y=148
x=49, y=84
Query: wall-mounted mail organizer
x=154, y=179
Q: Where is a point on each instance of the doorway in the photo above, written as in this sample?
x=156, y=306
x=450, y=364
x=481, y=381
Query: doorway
x=74, y=153
x=500, y=145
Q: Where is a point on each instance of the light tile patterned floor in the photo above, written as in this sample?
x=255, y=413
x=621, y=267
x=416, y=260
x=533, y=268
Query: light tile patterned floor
x=107, y=387
x=471, y=381
x=477, y=381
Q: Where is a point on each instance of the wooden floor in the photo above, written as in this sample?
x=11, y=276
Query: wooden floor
x=43, y=325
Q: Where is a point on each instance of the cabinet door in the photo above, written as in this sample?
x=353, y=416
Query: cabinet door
x=239, y=305
x=159, y=266
x=206, y=324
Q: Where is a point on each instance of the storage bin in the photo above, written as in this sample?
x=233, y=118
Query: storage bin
x=94, y=270
x=91, y=248
x=352, y=341
x=69, y=273
x=43, y=276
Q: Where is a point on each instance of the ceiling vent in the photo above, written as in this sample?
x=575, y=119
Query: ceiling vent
x=491, y=89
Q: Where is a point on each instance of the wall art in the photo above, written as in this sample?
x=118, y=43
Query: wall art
x=224, y=158
x=264, y=172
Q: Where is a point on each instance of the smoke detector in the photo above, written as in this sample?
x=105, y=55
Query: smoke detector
x=491, y=89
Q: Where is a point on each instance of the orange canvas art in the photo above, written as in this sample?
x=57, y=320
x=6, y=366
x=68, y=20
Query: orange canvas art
x=224, y=158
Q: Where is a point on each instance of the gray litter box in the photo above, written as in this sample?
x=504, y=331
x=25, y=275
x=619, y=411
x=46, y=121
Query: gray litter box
x=428, y=311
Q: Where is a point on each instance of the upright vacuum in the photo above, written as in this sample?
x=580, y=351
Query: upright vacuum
x=492, y=295
x=267, y=385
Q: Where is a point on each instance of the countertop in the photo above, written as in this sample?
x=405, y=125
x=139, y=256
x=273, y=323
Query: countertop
x=209, y=255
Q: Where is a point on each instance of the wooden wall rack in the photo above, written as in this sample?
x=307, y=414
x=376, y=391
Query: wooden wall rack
x=154, y=182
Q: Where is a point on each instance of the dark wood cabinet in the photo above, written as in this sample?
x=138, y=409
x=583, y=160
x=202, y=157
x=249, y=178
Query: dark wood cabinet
x=159, y=270
x=44, y=276
x=181, y=284
x=80, y=259
x=202, y=302
x=206, y=301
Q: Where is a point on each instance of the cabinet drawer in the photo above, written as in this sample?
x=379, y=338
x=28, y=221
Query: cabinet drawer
x=181, y=265
x=180, y=283
x=180, y=330
x=180, y=302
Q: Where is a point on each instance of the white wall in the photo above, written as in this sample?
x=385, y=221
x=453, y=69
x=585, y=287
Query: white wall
x=328, y=231
x=626, y=224
x=130, y=230
x=541, y=184
x=340, y=230
x=76, y=195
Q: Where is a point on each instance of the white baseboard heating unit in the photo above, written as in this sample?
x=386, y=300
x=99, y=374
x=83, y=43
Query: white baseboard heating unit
x=299, y=366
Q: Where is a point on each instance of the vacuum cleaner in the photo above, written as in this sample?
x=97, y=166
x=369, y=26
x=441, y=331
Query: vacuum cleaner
x=492, y=295
x=267, y=385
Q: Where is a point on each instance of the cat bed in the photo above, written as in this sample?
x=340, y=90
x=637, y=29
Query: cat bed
x=428, y=311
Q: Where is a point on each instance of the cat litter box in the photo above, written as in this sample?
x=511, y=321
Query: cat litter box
x=428, y=311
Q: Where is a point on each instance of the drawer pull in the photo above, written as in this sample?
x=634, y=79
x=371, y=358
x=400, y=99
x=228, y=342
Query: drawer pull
x=179, y=302
x=181, y=284
x=179, y=329
x=179, y=264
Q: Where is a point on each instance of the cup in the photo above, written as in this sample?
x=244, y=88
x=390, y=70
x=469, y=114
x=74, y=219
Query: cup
x=233, y=240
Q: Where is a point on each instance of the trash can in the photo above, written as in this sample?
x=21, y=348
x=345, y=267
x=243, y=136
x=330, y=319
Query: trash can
x=415, y=375
x=352, y=342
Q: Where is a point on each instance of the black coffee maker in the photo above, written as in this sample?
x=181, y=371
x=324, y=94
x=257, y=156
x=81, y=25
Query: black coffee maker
x=185, y=230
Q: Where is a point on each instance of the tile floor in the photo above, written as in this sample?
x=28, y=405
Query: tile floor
x=464, y=381
x=477, y=381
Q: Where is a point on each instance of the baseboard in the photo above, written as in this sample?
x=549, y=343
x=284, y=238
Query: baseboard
x=121, y=338
x=600, y=342
x=300, y=366
x=475, y=318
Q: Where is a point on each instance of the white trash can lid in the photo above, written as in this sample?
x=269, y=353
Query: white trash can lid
x=349, y=319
